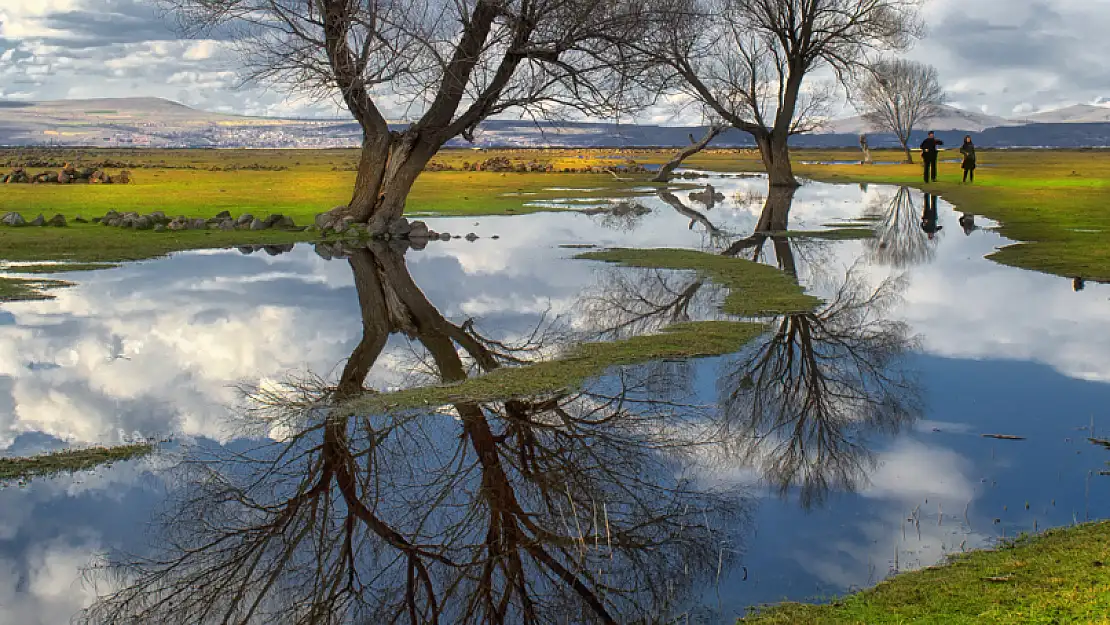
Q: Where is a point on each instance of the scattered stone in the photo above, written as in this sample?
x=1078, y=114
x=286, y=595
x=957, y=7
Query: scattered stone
x=13, y=219
x=39, y=221
x=110, y=215
x=81, y=220
x=223, y=215
x=158, y=217
x=160, y=228
x=471, y=237
x=124, y=177
x=258, y=224
x=199, y=224
x=419, y=230
x=226, y=225
x=97, y=220
x=143, y=223
x=246, y=250
x=495, y=237
x=322, y=251
x=324, y=221
x=401, y=227
x=244, y=219
x=176, y=225
x=273, y=220
x=114, y=222
x=57, y=221
x=444, y=236
x=285, y=223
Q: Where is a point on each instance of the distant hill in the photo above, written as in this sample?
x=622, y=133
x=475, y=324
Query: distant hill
x=950, y=118
x=1078, y=114
x=155, y=122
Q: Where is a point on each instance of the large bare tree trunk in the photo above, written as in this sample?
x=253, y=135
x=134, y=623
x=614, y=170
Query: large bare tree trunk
x=775, y=152
x=664, y=174
x=388, y=167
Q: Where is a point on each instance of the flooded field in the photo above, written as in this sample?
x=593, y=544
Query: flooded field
x=936, y=402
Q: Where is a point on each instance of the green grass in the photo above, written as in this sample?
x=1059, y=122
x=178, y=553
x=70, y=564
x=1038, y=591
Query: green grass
x=754, y=289
x=57, y=268
x=19, y=289
x=1061, y=576
x=68, y=461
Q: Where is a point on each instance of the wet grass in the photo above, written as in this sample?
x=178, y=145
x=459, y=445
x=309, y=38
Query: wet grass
x=1060, y=576
x=754, y=289
x=68, y=461
x=19, y=289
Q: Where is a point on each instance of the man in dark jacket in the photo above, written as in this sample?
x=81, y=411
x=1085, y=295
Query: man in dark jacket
x=929, y=155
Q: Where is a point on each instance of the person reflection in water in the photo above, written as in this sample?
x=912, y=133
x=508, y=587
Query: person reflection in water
x=967, y=222
x=929, y=219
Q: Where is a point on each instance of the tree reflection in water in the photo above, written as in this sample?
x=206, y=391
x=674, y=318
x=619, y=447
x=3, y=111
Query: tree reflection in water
x=566, y=508
x=899, y=240
x=799, y=403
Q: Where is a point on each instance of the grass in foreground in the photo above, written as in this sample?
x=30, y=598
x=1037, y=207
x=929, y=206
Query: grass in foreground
x=1061, y=576
x=69, y=461
x=754, y=289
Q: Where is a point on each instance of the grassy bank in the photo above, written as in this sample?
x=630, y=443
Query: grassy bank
x=1060, y=576
x=68, y=461
x=1054, y=202
x=753, y=289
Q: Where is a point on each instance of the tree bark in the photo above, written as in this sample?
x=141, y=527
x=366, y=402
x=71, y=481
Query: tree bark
x=775, y=151
x=906, y=148
x=665, y=172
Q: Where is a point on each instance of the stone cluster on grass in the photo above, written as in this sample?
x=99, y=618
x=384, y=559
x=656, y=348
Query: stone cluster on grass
x=158, y=221
x=15, y=220
x=68, y=175
x=402, y=229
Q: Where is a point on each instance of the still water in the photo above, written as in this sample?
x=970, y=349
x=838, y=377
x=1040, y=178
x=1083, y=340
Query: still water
x=842, y=446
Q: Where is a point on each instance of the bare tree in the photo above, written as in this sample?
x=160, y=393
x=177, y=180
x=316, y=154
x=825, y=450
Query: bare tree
x=454, y=63
x=748, y=60
x=696, y=145
x=897, y=96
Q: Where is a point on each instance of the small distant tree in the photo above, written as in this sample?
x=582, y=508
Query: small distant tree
x=898, y=95
x=748, y=61
x=451, y=64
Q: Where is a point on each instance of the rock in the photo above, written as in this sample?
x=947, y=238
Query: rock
x=111, y=215
x=143, y=223
x=495, y=237
x=38, y=221
x=258, y=224
x=273, y=250
x=160, y=228
x=444, y=236
x=176, y=225
x=418, y=243
x=285, y=223
x=419, y=230
x=114, y=222
x=246, y=250
x=245, y=218
x=227, y=225
x=81, y=220
x=222, y=215
x=158, y=217
x=322, y=250
x=13, y=219
x=401, y=227
x=324, y=221
x=472, y=237
x=198, y=224
x=97, y=220
x=57, y=221
x=273, y=219
x=124, y=177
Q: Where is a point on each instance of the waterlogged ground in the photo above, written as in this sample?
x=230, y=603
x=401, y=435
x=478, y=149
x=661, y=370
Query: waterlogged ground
x=843, y=445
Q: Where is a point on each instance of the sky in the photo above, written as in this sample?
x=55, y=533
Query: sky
x=1002, y=57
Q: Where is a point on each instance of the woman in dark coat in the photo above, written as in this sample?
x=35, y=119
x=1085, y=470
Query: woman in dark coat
x=968, y=150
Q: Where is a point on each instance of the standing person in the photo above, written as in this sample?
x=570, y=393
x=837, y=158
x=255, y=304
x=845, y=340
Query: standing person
x=968, y=150
x=929, y=155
